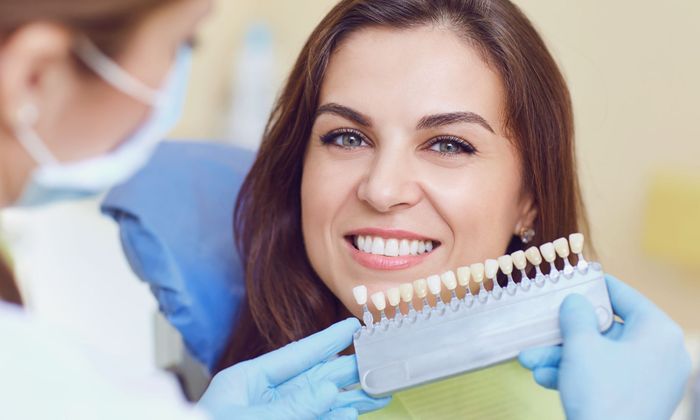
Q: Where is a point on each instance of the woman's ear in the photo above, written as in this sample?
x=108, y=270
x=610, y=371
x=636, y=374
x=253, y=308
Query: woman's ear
x=528, y=213
x=33, y=60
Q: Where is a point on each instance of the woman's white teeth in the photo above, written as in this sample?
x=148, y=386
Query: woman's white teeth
x=391, y=247
x=378, y=246
x=414, y=247
x=404, y=247
x=367, y=246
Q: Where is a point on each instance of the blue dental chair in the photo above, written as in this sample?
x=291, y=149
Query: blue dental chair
x=175, y=220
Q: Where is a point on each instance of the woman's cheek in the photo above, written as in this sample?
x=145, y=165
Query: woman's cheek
x=479, y=206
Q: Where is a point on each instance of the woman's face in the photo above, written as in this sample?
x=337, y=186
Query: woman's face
x=408, y=151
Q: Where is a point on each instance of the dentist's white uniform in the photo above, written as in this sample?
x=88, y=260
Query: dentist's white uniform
x=44, y=371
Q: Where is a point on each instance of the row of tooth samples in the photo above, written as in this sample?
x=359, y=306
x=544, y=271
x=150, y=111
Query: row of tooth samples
x=474, y=274
x=391, y=247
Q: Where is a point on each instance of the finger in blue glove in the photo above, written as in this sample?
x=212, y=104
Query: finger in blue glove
x=301, y=380
x=287, y=362
x=310, y=402
x=638, y=369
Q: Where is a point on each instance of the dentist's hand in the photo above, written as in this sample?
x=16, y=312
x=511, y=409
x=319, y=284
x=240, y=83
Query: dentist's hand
x=294, y=382
x=636, y=370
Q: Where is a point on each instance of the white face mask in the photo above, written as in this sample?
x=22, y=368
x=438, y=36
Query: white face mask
x=52, y=180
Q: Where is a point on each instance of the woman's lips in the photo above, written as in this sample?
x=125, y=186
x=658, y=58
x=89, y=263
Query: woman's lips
x=382, y=262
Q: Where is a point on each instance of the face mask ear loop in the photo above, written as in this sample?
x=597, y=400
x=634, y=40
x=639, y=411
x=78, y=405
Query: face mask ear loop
x=113, y=74
x=27, y=118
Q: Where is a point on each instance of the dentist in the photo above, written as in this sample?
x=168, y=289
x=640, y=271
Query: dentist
x=87, y=90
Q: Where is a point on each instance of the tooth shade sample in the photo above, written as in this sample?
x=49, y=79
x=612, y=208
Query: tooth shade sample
x=394, y=296
x=576, y=242
x=360, y=294
x=404, y=247
x=477, y=272
x=379, y=300
x=428, y=246
x=449, y=280
x=414, y=247
x=391, y=249
x=533, y=255
x=359, y=241
x=519, y=260
x=547, y=250
x=406, y=290
x=506, y=264
x=421, y=247
x=378, y=246
x=463, y=275
x=434, y=284
x=491, y=268
x=561, y=245
x=421, y=288
x=367, y=246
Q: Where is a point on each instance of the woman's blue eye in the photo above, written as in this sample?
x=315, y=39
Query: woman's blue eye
x=347, y=140
x=452, y=147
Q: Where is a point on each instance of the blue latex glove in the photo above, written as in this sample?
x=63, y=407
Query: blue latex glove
x=294, y=382
x=636, y=370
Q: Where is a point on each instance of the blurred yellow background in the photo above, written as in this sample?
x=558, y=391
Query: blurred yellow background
x=632, y=68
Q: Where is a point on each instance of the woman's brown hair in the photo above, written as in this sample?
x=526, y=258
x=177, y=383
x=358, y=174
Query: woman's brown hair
x=286, y=300
x=8, y=288
x=106, y=22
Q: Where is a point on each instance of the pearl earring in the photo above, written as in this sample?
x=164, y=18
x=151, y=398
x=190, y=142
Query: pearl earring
x=526, y=235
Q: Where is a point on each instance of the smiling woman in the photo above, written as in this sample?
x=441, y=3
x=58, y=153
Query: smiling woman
x=411, y=137
x=427, y=161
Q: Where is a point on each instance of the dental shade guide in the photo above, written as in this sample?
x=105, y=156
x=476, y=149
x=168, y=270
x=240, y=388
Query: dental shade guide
x=463, y=276
x=491, y=271
x=549, y=255
x=505, y=263
x=360, y=294
x=561, y=246
x=435, y=286
x=473, y=332
x=535, y=258
x=576, y=243
x=421, y=288
x=520, y=262
x=449, y=279
x=477, y=271
x=393, y=295
x=406, y=290
x=379, y=302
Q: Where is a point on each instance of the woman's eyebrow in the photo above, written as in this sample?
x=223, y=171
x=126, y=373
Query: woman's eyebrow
x=439, y=120
x=345, y=112
x=429, y=121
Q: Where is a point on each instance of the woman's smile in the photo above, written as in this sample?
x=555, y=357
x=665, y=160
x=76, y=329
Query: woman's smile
x=389, y=249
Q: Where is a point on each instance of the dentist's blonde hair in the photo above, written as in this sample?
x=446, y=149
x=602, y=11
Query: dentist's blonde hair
x=286, y=299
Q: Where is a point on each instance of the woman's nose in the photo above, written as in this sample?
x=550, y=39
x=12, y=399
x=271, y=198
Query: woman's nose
x=390, y=184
